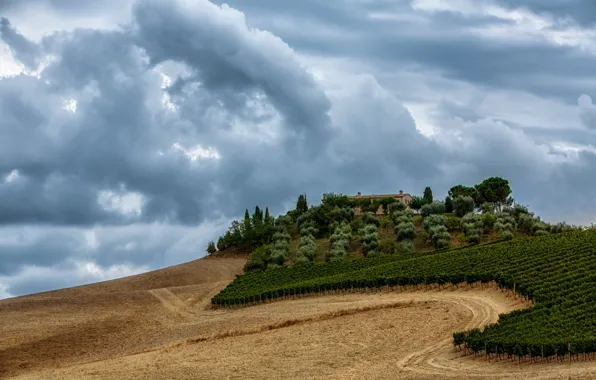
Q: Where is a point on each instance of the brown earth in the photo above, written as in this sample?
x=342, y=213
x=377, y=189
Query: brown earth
x=159, y=325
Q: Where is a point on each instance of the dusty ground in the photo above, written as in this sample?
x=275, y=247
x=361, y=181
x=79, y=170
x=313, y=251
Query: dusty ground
x=159, y=326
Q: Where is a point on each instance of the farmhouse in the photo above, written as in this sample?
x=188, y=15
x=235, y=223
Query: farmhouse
x=402, y=197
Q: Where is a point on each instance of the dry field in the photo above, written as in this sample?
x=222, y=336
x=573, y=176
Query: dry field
x=159, y=325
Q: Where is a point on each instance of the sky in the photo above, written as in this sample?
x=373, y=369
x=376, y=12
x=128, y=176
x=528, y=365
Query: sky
x=134, y=131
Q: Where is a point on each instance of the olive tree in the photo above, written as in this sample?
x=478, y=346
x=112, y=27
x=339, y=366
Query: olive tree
x=463, y=205
x=436, y=207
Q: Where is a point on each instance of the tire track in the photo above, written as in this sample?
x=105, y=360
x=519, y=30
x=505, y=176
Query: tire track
x=171, y=302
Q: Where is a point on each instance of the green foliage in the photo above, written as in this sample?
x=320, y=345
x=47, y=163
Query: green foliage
x=369, y=205
x=370, y=239
x=307, y=247
x=406, y=247
x=453, y=223
x=301, y=205
x=396, y=206
x=526, y=222
x=427, y=196
x=281, y=246
x=340, y=242
x=416, y=203
x=332, y=200
x=257, y=260
x=385, y=202
x=387, y=247
x=404, y=225
x=488, y=221
x=487, y=208
x=434, y=225
x=448, y=205
x=463, y=205
x=433, y=220
x=221, y=243
x=505, y=225
x=436, y=207
x=462, y=191
x=555, y=271
x=251, y=233
x=494, y=190
x=308, y=228
x=369, y=218
x=472, y=227
x=211, y=249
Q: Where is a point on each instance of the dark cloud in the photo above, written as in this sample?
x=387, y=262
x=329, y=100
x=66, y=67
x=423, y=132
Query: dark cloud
x=24, y=50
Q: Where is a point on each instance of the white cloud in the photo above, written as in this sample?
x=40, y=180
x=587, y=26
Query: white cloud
x=125, y=202
x=523, y=25
x=12, y=176
x=70, y=105
x=198, y=152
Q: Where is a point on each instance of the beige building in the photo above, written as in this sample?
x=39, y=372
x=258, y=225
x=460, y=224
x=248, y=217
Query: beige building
x=402, y=197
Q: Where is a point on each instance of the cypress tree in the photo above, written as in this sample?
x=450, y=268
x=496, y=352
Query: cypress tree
x=247, y=225
x=448, y=204
x=301, y=205
x=427, y=196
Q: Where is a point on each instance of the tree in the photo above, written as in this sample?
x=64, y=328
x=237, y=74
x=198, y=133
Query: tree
x=385, y=202
x=338, y=200
x=433, y=208
x=463, y=191
x=463, y=205
x=385, y=223
x=247, y=223
x=211, y=249
x=221, y=243
x=427, y=196
x=416, y=203
x=268, y=219
x=257, y=260
x=494, y=190
x=370, y=240
x=257, y=218
x=448, y=205
x=396, y=206
x=301, y=205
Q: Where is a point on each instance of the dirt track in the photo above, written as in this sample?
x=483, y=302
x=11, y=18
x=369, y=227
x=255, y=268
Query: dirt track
x=159, y=326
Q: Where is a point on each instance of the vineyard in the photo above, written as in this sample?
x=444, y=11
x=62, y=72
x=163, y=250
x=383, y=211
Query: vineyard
x=557, y=272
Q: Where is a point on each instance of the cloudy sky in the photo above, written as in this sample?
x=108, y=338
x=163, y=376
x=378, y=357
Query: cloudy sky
x=132, y=132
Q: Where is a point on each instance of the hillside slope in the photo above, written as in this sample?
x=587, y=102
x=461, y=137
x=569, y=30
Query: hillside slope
x=159, y=325
x=107, y=319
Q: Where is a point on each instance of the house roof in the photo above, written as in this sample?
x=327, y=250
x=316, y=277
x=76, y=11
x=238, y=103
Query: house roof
x=379, y=196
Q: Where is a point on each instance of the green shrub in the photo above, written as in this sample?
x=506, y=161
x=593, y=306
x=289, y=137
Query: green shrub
x=463, y=205
x=433, y=208
x=488, y=221
x=406, y=247
x=211, y=249
x=452, y=223
x=369, y=218
x=387, y=247
x=258, y=258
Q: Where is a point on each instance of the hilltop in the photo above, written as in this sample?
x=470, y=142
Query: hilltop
x=352, y=227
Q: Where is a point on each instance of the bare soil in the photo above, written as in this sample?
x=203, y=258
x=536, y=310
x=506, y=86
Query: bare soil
x=159, y=325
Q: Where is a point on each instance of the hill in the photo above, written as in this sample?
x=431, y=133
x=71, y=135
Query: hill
x=557, y=272
x=160, y=325
x=107, y=319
